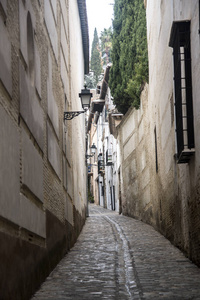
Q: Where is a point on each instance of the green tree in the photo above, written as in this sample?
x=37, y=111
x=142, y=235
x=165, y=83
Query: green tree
x=106, y=45
x=90, y=81
x=96, y=57
x=129, y=55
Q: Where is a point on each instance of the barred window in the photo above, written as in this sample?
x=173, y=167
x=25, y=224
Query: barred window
x=180, y=42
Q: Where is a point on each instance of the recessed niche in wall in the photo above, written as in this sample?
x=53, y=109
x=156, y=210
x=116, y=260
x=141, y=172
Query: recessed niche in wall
x=30, y=47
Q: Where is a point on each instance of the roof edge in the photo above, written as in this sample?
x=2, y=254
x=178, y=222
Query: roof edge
x=85, y=35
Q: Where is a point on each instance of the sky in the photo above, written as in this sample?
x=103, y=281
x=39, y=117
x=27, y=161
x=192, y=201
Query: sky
x=100, y=15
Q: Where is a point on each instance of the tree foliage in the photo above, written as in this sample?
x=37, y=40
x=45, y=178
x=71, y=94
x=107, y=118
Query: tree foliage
x=90, y=80
x=106, y=44
x=96, y=57
x=129, y=55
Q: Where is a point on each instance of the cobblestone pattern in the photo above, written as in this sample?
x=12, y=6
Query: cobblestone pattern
x=117, y=257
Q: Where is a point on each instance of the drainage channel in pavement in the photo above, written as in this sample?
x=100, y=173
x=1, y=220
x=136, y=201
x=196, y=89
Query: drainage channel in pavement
x=125, y=271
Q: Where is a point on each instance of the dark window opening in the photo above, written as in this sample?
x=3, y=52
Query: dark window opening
x=109, y=157
x=98, y=89
x=156, y=150
x=180, y=42
x=102, y=190
x=199, y=16
x=113, y=197
x=100, y=164
x=30, y=46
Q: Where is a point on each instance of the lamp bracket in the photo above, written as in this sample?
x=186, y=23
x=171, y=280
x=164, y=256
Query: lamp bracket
x=69, y=115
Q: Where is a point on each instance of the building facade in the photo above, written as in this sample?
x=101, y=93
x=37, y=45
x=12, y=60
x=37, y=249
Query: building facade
x=44, y=54
x=160, y=143
x=104, y=165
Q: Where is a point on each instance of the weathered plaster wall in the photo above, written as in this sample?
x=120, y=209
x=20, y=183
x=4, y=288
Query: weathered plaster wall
x=179, y=183
x=78, y=130
x=135, y=140
x=165, y=195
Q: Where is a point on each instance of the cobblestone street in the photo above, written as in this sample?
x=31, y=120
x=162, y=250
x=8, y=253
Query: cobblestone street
x=117, y=257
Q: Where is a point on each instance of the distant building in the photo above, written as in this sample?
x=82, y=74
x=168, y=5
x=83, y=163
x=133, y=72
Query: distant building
x=44, y=54
x=103, y=180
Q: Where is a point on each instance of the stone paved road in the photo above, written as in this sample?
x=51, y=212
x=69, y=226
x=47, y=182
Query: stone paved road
x=120, y=258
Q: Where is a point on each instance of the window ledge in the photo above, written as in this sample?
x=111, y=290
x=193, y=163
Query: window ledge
x=185, y=156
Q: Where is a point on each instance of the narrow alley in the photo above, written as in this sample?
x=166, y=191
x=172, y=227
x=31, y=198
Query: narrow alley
x=118, y=257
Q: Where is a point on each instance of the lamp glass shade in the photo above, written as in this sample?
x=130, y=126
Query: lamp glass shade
x=85, y=96
x=85, y=99
x=93, y=149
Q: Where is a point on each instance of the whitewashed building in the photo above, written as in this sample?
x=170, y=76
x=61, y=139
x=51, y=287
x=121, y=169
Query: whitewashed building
x=105, y=168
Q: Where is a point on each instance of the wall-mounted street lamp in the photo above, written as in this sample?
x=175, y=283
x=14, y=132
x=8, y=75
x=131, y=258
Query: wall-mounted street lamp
x=85, y=96
x=93, y=151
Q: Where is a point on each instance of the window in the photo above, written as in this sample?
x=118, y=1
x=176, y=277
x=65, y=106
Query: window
x=156, y=149
x=180, y=42
x=31, y=55
x=199, y=16
x=109, y=157
x=100, y=164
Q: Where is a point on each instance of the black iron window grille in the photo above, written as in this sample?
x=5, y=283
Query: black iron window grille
x=100, y=164
x=180, y=42
x=109, y=157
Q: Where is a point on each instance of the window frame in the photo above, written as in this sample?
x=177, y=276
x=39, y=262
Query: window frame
x=180, y=42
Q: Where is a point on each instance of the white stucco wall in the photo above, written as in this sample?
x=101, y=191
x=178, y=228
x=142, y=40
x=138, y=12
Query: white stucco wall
x=78, y=124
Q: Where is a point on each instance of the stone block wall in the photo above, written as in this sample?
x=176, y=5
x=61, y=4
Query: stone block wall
x=41, y=210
